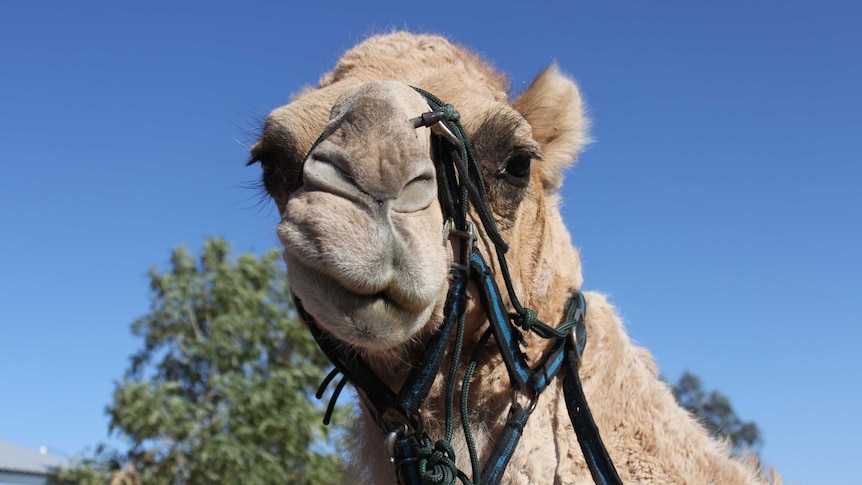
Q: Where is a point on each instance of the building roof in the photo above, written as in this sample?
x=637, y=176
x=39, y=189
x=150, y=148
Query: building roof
x=16, y=458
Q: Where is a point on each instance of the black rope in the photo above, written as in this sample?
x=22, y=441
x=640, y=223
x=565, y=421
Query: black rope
x=331, y=407
x=326, y=380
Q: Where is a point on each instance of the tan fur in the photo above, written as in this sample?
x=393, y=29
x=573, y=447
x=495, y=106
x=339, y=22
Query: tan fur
x=366, y=254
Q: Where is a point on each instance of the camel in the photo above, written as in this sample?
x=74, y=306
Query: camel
x=368, y=257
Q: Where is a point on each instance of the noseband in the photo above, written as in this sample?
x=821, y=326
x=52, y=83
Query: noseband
x=417, y=460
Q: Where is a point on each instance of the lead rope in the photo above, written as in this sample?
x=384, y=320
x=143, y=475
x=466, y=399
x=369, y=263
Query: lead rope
x=437, y=464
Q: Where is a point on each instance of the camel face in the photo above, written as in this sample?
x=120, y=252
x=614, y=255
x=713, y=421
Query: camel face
x=362, y=228
x=363, y=235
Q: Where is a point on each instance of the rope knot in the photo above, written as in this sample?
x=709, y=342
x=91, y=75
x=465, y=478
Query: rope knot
x=450, y=112
x=527, y=319
x=437, y=464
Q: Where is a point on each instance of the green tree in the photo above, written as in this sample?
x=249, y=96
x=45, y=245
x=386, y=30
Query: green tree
x=220, y=391
x=96, y=468
x=715, y=412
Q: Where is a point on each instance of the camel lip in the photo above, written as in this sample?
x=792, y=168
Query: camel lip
x=387, y=289
x=373, y=321
x=335, y=289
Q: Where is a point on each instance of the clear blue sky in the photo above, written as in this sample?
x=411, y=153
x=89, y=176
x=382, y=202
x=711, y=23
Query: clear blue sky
x=719, y=206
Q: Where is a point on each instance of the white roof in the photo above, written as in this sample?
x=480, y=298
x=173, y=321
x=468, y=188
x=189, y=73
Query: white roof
x=19, y=459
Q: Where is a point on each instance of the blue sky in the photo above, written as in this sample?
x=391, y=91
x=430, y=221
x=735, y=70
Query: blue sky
x=719, y=206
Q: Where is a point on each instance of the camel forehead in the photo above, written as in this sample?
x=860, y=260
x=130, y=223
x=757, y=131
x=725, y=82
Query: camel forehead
x=384, y=108
x=385, y=105
x=374, y=118
x=390, y=92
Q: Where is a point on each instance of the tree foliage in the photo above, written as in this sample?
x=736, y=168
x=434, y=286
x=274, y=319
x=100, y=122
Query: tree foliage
x=220, y=391
x=715, y=412
x=95, y=469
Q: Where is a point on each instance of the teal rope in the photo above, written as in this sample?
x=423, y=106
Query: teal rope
x=453, y=375
x=465, y=423
x=437, y=463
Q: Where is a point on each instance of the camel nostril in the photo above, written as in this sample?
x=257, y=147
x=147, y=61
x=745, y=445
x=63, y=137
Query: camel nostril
x=379, y=199
x=418, y=193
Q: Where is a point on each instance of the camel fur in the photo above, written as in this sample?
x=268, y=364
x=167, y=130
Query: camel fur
x=363, y=235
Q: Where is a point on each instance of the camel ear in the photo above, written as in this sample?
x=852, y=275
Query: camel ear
x=552, y=105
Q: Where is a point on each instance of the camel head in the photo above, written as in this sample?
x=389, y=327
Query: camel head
x=361, y=223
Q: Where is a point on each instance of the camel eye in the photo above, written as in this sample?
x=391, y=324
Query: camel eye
x=267, y=168
x=516, y=168
x=269, y=172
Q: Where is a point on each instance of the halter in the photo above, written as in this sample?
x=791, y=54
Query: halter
x=418, y=460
